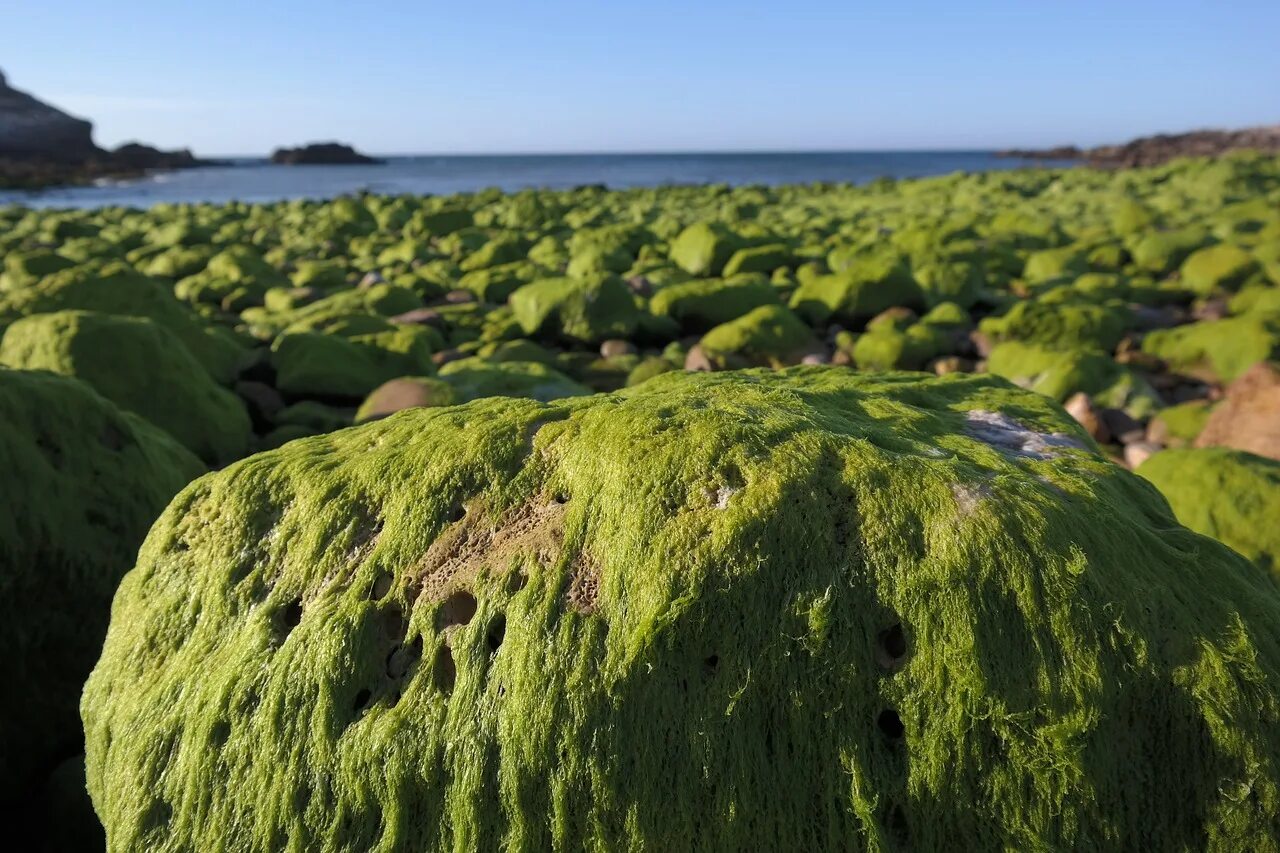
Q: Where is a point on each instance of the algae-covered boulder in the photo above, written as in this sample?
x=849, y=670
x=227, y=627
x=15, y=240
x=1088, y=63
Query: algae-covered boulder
x=474, y=378
x=770, y=335
x=1231, y=495
x=703, y=303
x=1218, y=350
x=141, y=367
x=83, y=482
x=802, y=610
x=588, y=310
x=311, y=363
x=704, y=248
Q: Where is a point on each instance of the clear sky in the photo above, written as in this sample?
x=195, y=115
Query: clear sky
x=232, y=77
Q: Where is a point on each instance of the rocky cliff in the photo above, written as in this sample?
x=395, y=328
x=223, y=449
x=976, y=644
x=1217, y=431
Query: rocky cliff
x=1162, y=147
x=32, y=129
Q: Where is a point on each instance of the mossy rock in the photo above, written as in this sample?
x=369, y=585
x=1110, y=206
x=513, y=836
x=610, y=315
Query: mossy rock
x=1061, y=264
x=315, y=416
x=1179, y=425
x=704, y=248
x=1060, y=325
x=770, y=335
x=1217, y=350
x=475, y=378
x=763, y=259
x=701, y=304
x=1220, y=267
x=889, y=348
x=22, y=269
x=314, y=364
x=648, y=368
x=585, y=310
x=119, y=290
x=1230, y=495
x=142, y=368
x=1053, y=372
x=618, y=622
x=872, y=283
x=83, y=483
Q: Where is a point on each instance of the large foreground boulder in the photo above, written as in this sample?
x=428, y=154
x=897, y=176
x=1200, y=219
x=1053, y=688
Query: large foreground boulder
x=796, y=610
x=82, y=483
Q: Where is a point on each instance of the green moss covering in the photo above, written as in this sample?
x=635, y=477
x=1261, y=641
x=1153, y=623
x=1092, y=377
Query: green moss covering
x=1052, y=372
x=82, y=483
x=703, y=303
x=1230, y=495
x=1182, y=423
x=763, y=259
x=1220, y=267
x=1060, y=325
x=649, y=368
x=142, y=368
x=810, y=609
x=115, y=289
x=1219, y=350
x=869, y=284
x=1061, y=264
x=474, y=378
x=587, y=310
x=770, y=335
x=703, y=248
x=310, y=363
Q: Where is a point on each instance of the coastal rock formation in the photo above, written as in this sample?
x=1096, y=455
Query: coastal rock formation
x=321, y=154
x=1162, y=147
x=40, y=145
x=33, y=130
x=829, y=610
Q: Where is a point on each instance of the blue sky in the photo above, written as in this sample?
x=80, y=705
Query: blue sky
x=553, y=75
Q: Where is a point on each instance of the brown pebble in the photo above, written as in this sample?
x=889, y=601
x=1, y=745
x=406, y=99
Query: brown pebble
x=1138, y=452
x=1081, y=407
x=616, y=347
x=459, y=297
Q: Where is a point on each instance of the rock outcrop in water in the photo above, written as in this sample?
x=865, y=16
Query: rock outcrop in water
x=321, y=154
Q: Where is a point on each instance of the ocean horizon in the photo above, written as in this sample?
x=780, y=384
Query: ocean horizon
x=257, y=180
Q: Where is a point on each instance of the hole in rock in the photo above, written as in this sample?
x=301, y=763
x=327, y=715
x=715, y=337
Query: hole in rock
x=402, y=658
x=444, y=673
x=220, y=733
x=380, y=587
x=291, y=615
x=561, y=498
x=112, y=437
x=890, y=724
x=891, y=646
x=710, y=664
x=361, y=701
x=496, y=633
x=394, y=625
x=517, y=581
x=458, y=609
x=457, y=512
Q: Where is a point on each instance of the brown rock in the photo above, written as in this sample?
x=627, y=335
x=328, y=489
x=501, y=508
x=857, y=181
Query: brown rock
x=1210, y=309
x=640, y=285
x=1248, y=418
x=982, y=345
x=1081, y=407
x=446, y=355
x=405, y=393
x=816, y=358
x=616, y=347
x=1138, y=452
x=696, y=359
x=459, y=297
x=370, y=279
x=419, y=317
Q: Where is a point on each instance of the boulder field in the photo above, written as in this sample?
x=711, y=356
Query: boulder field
x=700, y=517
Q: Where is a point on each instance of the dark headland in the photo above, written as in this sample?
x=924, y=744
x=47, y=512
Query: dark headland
x=1161, y=148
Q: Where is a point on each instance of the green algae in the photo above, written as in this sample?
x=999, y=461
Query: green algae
x=1229, y=495
x=770, y=335
x=83, y=482
x=619, y=622
x=109, y=353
